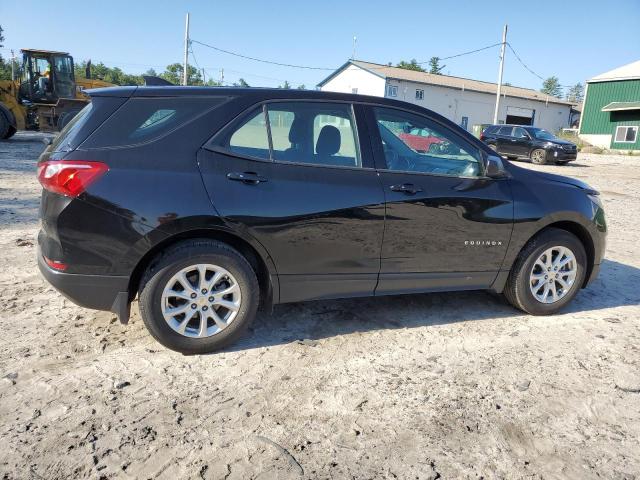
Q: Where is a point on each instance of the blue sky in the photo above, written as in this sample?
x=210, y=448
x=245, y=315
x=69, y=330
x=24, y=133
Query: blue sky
x=573, y=40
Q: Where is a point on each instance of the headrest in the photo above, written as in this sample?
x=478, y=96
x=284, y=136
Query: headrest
x=328, y=141
x=296, y=132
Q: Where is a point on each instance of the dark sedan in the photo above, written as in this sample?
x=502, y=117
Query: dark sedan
x=516, y=141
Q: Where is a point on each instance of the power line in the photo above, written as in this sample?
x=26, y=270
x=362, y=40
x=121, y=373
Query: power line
x=465, y=53
x=259, y=59
x=528, y=69
x=309, y=67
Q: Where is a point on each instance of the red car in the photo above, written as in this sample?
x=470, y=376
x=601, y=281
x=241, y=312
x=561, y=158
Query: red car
x=419, y=139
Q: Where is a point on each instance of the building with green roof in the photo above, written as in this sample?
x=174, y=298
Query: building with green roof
x=611, y=112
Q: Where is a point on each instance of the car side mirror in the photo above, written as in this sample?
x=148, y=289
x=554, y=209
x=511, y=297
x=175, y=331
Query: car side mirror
x=494, y=168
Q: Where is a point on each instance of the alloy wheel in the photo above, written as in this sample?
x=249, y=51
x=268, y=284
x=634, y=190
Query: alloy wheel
x=553, y=274
x=201, y=300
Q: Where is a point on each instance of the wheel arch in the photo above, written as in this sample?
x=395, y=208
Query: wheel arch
x=580, y=232
x=267, y=277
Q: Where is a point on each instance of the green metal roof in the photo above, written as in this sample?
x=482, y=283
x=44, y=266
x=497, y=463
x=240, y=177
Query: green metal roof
x=618, y=106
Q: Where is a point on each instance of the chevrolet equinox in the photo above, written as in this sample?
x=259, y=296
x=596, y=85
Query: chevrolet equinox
x=204, y=203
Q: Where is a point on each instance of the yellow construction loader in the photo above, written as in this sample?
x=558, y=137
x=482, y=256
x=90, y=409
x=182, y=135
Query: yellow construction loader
x=45, y=95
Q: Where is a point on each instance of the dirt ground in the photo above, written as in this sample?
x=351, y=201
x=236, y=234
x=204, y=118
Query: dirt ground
x=456, y=385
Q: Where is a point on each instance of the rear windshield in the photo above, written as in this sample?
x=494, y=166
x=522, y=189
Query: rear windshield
x=64, y=141
x=143, y=120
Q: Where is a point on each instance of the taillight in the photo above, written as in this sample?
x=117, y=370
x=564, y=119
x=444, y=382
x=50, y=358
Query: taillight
x=482, y=137
x=69, y=178
x=55, y=264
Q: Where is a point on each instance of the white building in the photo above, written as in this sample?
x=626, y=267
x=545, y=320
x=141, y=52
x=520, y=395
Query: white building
x=464, y=101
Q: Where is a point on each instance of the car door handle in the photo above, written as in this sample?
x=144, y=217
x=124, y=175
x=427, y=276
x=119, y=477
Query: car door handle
x=408, y=188
x=250, y=178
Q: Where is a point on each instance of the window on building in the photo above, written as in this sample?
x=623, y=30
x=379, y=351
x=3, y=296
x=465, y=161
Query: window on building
x=419, y=94
x=626, y=134
x=392, y=90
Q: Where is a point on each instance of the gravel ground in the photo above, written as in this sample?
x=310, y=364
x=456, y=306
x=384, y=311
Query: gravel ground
x=456, y=385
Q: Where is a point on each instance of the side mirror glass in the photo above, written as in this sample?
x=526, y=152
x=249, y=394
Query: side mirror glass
x=494, y=167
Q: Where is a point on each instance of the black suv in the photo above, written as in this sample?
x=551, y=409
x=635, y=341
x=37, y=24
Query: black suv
x=206, y=202
x=516, y=141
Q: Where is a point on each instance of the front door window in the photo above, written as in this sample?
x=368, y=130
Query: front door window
x=414, y=143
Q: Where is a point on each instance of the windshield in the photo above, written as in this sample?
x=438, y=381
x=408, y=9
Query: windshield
x=543, y=134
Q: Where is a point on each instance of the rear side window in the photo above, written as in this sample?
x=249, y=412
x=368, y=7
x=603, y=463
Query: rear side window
x=251, y=138
x=314, y=133
x=506, y=131
x=142, y=120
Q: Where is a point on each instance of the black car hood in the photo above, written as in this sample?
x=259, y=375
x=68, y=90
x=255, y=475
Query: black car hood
x=525, y=173
x=559, y=141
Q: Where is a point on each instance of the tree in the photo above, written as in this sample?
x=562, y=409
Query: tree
x=151, y=73
x=435, y=67
x=576, y=93
x=551, y=86
x=412, y=65
x=302, y=87
x=112, y=75
x=173, y=73
x=241, y=83
x=285, y=85
x=5, y=67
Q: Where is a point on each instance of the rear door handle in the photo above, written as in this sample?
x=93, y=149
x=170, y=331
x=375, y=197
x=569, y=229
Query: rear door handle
x=408, y=188
x=250, y=178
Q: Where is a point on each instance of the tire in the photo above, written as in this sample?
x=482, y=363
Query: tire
x=518, y=290
x=5, y=126
x=183, y=256
x=539, y=156
x=66, y=117
x=12, y=131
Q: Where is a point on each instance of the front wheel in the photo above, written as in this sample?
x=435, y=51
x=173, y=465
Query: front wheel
x=548, y=273
x=199, y=296
x=539, y=156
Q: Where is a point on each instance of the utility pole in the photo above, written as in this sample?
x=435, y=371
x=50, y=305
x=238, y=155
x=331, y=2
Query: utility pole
x=204, y=77
x=185, y=66
x=222, y=76
x=502, y=48
x=353, y=52
x=13, y=63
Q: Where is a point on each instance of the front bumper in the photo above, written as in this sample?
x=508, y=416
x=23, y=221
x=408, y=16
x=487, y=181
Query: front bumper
x=98, y=292
x=561, y=155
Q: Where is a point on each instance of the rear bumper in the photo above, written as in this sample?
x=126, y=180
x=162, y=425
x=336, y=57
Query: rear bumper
x=98, y=292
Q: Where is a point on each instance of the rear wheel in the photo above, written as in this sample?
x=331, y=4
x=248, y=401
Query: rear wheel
x=548, y=273
x=539, y=156
x=12, y=131
x=199, y=297
x=5, y=126
x=66, y=117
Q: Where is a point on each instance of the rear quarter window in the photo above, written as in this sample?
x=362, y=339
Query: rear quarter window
x=144, y=120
